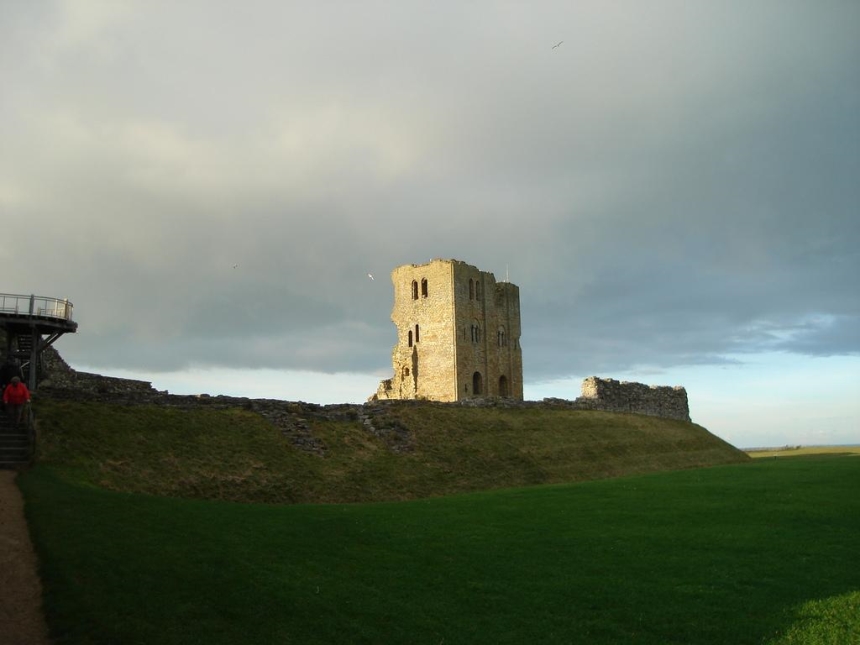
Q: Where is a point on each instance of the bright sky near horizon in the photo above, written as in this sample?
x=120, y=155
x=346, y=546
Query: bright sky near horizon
x=674, y=188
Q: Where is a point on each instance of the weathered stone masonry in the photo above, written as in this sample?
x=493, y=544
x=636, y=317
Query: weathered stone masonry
x=614, y=396
x=458, y=334
x=58, y=375
x=458, y=339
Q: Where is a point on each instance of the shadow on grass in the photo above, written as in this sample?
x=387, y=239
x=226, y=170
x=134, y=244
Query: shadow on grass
x=728, y=554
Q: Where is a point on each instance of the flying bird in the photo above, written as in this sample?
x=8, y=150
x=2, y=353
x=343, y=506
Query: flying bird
x=557, y=44
x=370, y=275
x=235, y=266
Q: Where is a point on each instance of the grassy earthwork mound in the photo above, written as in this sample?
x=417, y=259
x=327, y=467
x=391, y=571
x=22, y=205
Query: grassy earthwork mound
x=413, y=451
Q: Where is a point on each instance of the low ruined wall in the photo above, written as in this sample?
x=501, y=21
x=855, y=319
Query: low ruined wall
x=58, y=375
x=294, y=419
x=623, y=396
x=609, y=395
x=97, y=384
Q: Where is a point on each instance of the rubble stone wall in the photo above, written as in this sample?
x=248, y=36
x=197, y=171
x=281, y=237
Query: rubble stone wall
x=58, y=375
x=609, y=395
x=623, y=396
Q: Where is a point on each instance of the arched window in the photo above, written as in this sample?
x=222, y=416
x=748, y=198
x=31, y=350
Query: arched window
x=416, y=333
x=414, y=290
x=477, y=289
x=477, y=384
x=424, y=287
x=501, y=337
x=471, y=289
x=503, y=386
x=410, y=338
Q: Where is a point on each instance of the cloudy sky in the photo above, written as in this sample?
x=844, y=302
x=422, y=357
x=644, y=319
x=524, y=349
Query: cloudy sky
x=674, y=188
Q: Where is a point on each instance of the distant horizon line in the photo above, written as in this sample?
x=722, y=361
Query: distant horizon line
x=789, y=447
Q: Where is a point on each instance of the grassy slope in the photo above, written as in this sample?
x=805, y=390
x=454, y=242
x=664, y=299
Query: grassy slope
x=236, y=455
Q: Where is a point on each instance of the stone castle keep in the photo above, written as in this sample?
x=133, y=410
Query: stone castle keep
x=458, y=334
x=458, y=339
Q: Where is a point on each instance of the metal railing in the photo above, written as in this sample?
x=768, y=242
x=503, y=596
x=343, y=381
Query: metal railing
x=21, y=305
x=31, y=434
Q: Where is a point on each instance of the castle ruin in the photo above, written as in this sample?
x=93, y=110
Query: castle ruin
x=458, y=334
x=667, y=402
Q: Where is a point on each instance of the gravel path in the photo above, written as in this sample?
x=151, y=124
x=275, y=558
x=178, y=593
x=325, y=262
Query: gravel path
x=21, y=618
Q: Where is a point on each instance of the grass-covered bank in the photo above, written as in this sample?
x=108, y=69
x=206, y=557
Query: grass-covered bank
x=234, y=454
x=761, y=552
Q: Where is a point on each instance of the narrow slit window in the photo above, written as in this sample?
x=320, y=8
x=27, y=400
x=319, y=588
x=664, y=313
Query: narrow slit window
x=424, y=288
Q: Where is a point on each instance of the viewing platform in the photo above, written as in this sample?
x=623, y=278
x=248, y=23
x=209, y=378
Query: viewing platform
x=31, y=324
x=28, y=311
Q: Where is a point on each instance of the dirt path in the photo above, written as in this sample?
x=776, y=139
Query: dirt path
x=21, y=619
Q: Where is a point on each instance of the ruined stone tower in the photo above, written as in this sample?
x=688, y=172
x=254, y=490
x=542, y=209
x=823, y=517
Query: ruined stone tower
x=458, y=334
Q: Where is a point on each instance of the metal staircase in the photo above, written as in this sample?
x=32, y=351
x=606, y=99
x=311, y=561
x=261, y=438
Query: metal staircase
x=17, y=443
x=24, y=354
x=29, y=324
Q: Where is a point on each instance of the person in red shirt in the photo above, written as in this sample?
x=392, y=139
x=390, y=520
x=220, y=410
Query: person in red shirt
x=15, y=397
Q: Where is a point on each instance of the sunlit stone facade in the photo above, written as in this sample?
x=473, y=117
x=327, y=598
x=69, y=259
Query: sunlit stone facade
x=458, y=334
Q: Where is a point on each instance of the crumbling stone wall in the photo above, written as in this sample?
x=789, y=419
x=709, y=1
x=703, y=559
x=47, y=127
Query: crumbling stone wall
x=296, y=419
x=614, y=396
x=57, y=374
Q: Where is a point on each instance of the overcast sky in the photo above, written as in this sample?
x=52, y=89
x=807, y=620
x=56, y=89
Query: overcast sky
x=675, y=188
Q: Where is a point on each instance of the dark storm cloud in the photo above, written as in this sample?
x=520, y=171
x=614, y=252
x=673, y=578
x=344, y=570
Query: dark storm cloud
x=674, y=185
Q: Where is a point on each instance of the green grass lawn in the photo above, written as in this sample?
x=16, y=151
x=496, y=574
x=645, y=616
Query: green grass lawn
x=760, y=552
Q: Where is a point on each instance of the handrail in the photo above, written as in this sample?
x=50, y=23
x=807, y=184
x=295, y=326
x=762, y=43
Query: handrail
x=31, y=305
x=31, y=433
